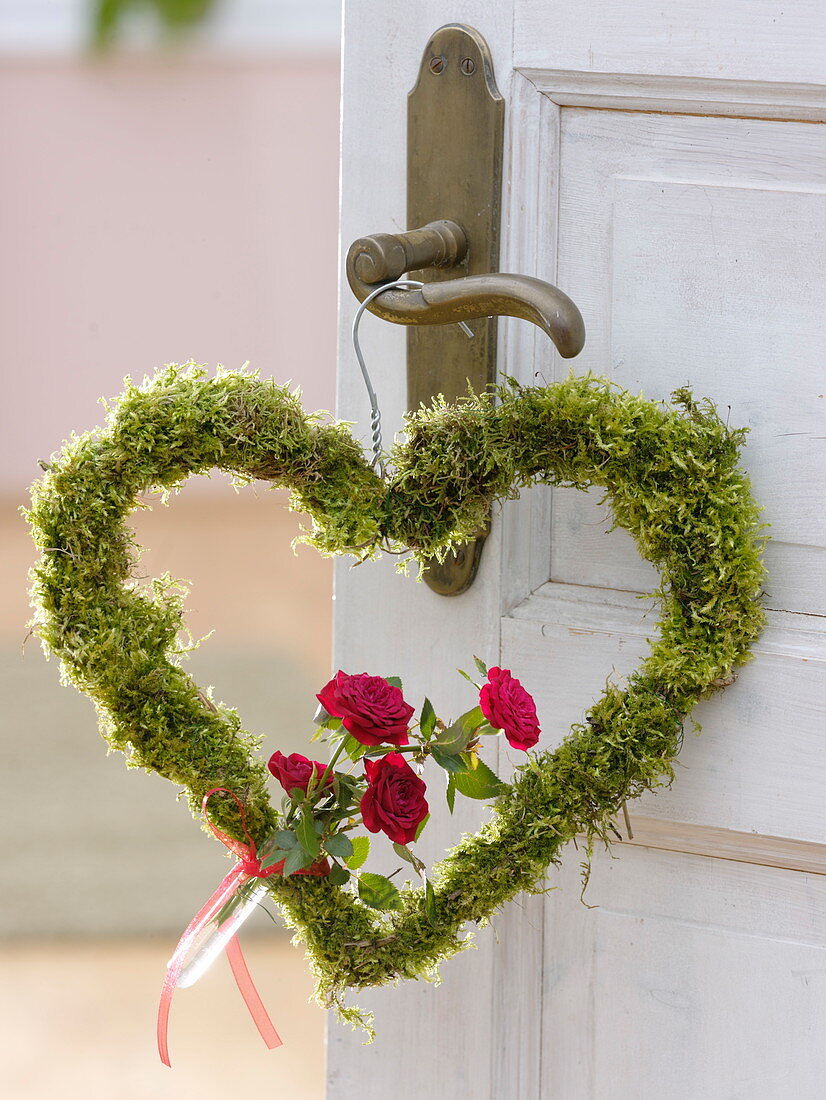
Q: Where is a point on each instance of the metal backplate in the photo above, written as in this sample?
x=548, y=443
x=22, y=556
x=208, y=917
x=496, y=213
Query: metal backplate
x=455, y=128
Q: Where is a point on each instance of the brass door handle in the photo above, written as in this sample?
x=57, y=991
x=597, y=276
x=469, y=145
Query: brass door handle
x=385, y=257
x=455, y=151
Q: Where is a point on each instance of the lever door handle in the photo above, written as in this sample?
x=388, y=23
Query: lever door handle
x=385, y=257
x=455, y=153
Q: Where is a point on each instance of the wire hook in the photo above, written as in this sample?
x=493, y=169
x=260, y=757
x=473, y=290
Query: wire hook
x=375, y=412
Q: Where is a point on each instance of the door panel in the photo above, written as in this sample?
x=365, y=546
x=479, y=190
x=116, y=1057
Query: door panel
x=694, y=247
x=758, y=765
x=698, y=978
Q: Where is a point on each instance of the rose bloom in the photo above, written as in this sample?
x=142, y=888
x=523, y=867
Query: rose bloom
x=372, y=710
x=295, y=770
x=394, y=801
x=507, y=706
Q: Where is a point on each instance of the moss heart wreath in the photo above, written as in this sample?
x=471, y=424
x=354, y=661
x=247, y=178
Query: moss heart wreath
x=671, y=475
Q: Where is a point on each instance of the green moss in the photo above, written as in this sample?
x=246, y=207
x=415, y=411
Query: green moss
x=672, y=479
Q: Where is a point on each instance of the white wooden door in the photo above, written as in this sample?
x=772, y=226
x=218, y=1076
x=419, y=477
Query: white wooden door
x=664, y=167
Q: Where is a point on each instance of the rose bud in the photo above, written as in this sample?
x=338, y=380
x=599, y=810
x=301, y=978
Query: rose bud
x=394, y=801
x=372, y=710
x=295, y=770
x=508, y=707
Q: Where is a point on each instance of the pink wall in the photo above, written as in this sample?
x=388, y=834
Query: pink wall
x=157, y=210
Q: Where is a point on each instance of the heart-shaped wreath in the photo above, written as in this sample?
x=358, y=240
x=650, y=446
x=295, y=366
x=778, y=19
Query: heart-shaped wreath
x=671, y=476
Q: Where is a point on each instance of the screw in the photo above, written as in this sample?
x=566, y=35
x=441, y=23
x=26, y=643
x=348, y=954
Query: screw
x=468, y=66
x=437, y=64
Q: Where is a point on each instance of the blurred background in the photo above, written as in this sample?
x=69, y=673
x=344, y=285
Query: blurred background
x=169, y=192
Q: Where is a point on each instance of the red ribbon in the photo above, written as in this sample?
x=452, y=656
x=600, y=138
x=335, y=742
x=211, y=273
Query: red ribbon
x=248, y=867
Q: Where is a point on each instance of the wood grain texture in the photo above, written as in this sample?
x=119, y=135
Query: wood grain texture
x=703, y=840
x=532, y=169
x=674, y=94
x=526, y=353
x=690, y=977
x=767, y=40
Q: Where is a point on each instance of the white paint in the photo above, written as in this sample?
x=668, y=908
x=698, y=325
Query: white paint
x=758, y=765
x=694, y=249
x=767, y=40
x=691, y=978
x=688, y=95
x=688, y=227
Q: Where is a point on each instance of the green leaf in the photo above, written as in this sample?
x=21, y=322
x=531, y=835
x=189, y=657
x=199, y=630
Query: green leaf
x=325, y=721
x=429, y=901
x=450, y=793
x=344, y=799
x=312, y=783
x=451, y=740
x=338, y=876
x=297, y=860
x=471, y=720
x=361, y=850
x=378, y=892
x=421, y=825
x=479, y=782
x=306, y=833
x=409, y=856
x=275, y=856
x=394, y=681
x=487, y=730
x=451, y=762
x=285, y=838
x=454, y=739
x=345, y=785
x=427, y=721
x=354, y=749
x=469, y=679
x=483, y=668
x=339, y=846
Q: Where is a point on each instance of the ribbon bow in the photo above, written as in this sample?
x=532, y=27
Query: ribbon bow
x=248, y=867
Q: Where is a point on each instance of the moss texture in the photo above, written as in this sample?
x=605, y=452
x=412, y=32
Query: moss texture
x=670, y=474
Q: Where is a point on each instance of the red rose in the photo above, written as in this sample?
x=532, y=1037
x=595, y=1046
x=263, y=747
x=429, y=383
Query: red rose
x=295, y=770
x=507, y=706
x=394, y=801
x=372, y=710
